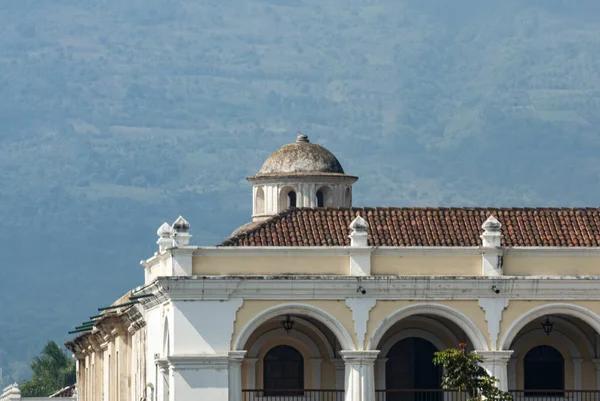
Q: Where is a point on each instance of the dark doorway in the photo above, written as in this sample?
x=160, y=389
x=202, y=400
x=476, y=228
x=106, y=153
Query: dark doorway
x=544, y=369
x=409, y=366
x=283, y=371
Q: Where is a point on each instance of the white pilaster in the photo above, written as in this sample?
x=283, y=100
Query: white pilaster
x=512, y=373
x=496, y=363
x=491, y=252
x=380, y=366
x=251, y=373
x=339, y=373
x=577, y=379
x=235, y=375
x=360, y=308
x=493, y=308
x=360, y=252
x=360, y=261
x=316, y=364
x=360, y=377
x=181, y=262
x=597, y=362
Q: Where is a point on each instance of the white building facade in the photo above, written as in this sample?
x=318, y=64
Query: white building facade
x=317, y=300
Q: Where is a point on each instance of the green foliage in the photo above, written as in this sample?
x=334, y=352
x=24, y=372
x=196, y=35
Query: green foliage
x=463, y=372
x=52, y=371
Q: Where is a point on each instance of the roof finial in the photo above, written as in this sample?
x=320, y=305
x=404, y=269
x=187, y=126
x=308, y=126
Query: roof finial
x=359, y=235
x=302, y=138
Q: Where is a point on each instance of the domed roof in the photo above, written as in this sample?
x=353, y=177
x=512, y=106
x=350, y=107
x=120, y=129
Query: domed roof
x=301, y=157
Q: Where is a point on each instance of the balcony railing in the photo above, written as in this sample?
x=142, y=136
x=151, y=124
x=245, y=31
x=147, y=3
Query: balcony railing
x=550, y=395
x=420, y=395
x=518, y=395
x=293, y=395
x=416, y=395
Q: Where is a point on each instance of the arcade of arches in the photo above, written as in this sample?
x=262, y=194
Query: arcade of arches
x=306, y=355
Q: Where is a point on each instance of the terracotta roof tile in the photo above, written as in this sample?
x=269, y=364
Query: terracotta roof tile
x=559, y=227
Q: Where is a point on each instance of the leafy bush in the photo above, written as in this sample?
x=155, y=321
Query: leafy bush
x=463, y=372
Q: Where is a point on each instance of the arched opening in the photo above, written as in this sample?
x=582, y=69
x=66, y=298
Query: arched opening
x=320, y=199
x=407, y=340
x=259, y=206
x=283, y=371
x=410, y=366
x=312, y=332
x=544, y=369
x=569, y=329
x=324, y=197
x=287, y=198
x=291, y=199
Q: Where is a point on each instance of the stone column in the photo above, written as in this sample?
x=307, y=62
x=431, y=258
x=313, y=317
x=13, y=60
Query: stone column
x=496, y=363
x=360, y=377
x=235, y=375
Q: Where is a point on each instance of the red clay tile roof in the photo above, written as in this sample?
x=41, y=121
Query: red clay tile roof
x=558, y=227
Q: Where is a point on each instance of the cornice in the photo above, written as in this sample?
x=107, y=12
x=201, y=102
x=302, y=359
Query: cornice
x=313, y=178
x=376, y=251
x=553, y=251
x=196, y=288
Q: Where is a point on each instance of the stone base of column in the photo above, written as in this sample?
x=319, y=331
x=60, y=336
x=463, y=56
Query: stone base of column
x=360, y=377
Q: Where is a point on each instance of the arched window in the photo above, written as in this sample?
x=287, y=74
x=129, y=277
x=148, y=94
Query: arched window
x=348, y=197
x=410, y=366
x=291, y=199
x=324, y=197
x=287, y=198
x=283, y=371
x=544, y=369
x=259, y=208
x=320, y=199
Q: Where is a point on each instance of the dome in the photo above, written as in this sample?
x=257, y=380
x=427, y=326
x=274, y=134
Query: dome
x=301, y=157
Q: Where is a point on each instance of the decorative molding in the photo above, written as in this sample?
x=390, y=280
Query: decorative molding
x=429, y=308
x=338, y=329
x=493, y=308
x=195, y=288
x=360, y=308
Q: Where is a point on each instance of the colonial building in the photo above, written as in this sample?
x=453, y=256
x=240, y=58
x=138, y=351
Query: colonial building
x=315, y=299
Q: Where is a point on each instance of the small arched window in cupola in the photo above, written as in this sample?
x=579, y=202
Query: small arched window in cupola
x=291, y=199
x=320, y=199
x=287, y=198
x=324, y=197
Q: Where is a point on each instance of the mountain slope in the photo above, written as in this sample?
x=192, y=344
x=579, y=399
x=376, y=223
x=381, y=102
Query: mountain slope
x=118, y=116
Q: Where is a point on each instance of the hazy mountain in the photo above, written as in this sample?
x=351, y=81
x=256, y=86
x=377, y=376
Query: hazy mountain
x=118, y=115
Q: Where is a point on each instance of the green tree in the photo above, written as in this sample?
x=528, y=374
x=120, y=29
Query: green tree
x=52, y=370
x=463, y=372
